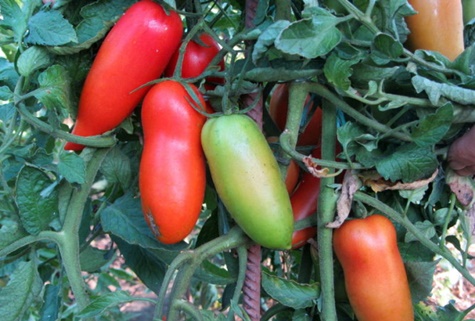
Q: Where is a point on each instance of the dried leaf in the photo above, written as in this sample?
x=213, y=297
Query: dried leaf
x=351, y=184
x=462, y=186
x=379, y=184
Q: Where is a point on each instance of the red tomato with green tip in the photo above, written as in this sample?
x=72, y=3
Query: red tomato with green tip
x=135, y=51
x=172, y=175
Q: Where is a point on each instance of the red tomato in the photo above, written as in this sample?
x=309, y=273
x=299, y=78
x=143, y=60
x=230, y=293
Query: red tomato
x=278, y=107
x=197, y=57
x=136, y=51
x=304, y=204
x=375, y=277
x=172, y=176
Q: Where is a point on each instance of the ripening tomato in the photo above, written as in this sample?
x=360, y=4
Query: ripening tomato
x=278, y=106
x=172, y=176
x=135, y=51
x=375, y=277
x=197, y=57
x=304, y=204
x=247, y=179
x=437, y=26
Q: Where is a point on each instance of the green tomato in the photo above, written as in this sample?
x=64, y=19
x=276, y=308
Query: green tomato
x=247, y=179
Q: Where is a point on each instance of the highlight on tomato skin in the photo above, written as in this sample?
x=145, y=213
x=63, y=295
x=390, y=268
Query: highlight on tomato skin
x=437, y=26
x=172, y=173
x=375, y=277
x=123, y=64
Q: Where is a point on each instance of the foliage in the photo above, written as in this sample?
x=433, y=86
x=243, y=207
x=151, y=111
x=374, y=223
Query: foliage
x=397, y=113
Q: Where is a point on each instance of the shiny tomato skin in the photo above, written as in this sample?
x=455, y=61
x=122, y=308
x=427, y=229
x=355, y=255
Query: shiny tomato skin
x=278, y=108
x=437, y=26
x=197, y=57
x=172, y=175
x=135, y=51
x=247, y=179
x=375, y=277
x=304, y=204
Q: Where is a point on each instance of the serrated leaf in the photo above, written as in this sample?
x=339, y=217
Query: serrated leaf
x=124, y=218
x=386, y=47
x=310, y=38
x=54, y=91
x=425, y=228
x=36, y=208
x=436, y=90
x=52, y=303
x=105, y=301
x=10, y=231
x=290, y=293
x=72, y=167
x=92, y=259
x=32, y=59
x=414, y=195
x=7, y=111
x=338, y=71
x=407, y=163
x=433, y=127
x=50, y=28
x=24, y=286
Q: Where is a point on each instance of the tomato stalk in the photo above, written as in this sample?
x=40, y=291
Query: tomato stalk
x=411, y=228
x=325, y=214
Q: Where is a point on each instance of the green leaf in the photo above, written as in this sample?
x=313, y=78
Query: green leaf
x=72, y=167
x=407, y=163
x=36, y=199
x=433, y=127
x=338, y=71
x=54, y=91
x=14, y=18
x=10, y=231
x=7, y=111
x=267, y=37
x=425, y=228
x=104, y=302
x=436, y=90
x=116, y=168
x=32, y=59
x=290, y=293
x=210, y=273
x=18, y=295
x=124, y=218
x=93, y=259
x=310, y=38
x=414, y=195
x=52, y=303
x=386, y=48
x=420, y=276
x=50, y=28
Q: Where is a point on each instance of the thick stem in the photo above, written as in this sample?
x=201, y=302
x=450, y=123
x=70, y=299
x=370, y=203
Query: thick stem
x=68, y=239
x=325, y=214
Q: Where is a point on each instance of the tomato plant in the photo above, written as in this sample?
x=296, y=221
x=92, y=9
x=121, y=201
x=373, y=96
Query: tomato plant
x=375, y=276
x=247, y=178
x=135, y=52
x=74, y=241
x=172, y=176
x=438, y=26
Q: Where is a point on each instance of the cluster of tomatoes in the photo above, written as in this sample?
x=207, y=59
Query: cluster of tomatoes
x=181, y=141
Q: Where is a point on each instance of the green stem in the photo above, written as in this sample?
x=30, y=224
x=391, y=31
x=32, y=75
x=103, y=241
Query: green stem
x=325, y=215
x=242, y=256
x=235, y=238
x=68, y=237
x=43, y=236
x=404, y=221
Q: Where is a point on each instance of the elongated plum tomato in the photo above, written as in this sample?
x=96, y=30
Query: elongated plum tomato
x=375, y=278
x=437, y=26
x=247, y=179
x=135, y=51
x=278, y=107
x=197, y=57
x=172, y=175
